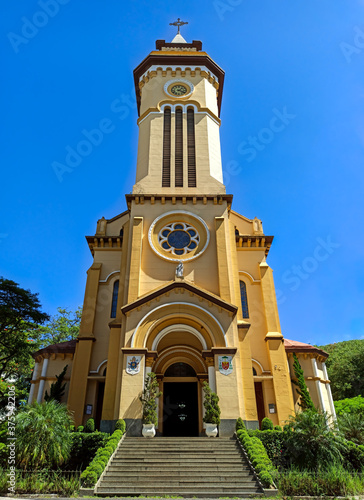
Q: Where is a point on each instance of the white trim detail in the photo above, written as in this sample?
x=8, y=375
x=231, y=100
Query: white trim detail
x=176, y=81
x=154, y=67
x=107, y=277
x=249, y=276
x=318, y=384
x=178, y=257
x=179, y=349
x=184, y=110
x=260, y=366
x=179, y=304
x=177, y=326
x=329, y=394
x=98, y=368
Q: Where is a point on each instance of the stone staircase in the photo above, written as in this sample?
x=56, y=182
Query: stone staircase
x=200, y=467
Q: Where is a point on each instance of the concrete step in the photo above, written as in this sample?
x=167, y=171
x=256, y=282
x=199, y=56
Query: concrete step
x=178, y=490
x=187, y=467
x=180, y=455
x=176, y=460
x=172, y=478
x=187, y=494
x=168, y=473
x=180, y=470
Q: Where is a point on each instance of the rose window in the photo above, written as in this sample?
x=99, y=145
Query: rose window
x=178, y=238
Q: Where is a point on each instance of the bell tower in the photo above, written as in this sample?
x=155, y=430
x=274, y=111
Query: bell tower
x=178, y=90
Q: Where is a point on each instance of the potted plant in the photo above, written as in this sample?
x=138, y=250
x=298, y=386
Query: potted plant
x=212, y=413
x=148, y=398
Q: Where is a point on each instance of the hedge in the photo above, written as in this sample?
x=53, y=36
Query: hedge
x=90, y=476
x=84, y=448
x=258, y=456
x=273, y=441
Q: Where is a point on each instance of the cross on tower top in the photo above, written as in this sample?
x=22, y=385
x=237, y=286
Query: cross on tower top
x=178, y=23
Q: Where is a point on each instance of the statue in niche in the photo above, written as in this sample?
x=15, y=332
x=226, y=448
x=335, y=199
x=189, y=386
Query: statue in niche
x=179, y=270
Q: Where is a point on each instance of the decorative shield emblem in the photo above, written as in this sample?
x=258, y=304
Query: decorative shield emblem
x=225, y=364
x=133, y=364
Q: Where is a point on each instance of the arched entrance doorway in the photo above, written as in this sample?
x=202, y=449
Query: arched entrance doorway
x=180, y=401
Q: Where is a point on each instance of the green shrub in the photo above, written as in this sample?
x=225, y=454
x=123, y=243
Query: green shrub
x=240, y=424
x=278, y=428
x=353, y=455
x=84, y=448
x=90, y=476
x=350, y=405
x=266, y=478
x=273, y=442
x=120, y=425
x=267, y=424
x=90, y=425
x=211, y=404
x=80, y=428
x=310, y=444
x=258, y=456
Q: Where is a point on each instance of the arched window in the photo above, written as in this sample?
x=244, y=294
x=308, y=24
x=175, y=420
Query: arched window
x=114, y=302
x=254, y=371
x=180, y=370
x=244, y=299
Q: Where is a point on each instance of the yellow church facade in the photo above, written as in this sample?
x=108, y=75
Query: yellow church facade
x=179, y=283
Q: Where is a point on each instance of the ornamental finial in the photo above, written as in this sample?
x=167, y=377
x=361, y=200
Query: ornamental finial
x=178, y=23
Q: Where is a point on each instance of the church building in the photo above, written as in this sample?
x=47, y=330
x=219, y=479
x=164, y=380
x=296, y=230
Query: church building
x=179, y=284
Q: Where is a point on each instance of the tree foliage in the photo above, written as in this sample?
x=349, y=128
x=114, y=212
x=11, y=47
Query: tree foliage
x=43, y=435
x=310, y=443
x=306, y=402
x=345, y=367
x=57, y=388
x=62, y=327
x=24, y=329
x=350, y=405
x=20, y=317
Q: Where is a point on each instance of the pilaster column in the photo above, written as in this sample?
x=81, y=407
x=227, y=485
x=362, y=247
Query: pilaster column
x=222, y=258
x=211, y=372
x=135, y=259
x=81, y=362
x=42, y=380
x=318, y=384
x=33, y=382
x=329, y=394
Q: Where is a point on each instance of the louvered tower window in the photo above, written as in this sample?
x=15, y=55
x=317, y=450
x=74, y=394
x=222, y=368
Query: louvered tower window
x=166, y=171
x=178, y=165
x=191, y=156
x=244, y=299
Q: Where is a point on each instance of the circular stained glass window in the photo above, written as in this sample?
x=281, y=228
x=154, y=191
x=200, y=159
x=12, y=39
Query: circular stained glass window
x=179, y=238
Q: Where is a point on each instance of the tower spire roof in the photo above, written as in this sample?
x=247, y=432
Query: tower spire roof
x=178, y=38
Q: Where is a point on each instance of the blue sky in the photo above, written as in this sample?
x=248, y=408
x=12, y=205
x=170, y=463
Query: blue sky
x=66, y=63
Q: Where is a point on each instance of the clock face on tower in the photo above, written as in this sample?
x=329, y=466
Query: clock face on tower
x=178, y=90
